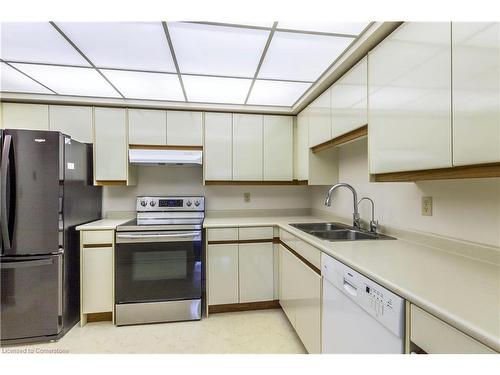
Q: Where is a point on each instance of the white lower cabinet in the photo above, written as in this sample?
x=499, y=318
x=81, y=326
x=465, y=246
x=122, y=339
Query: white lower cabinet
x=256, y=282
x=97, y=279
x=300, y=298
x=222, y=274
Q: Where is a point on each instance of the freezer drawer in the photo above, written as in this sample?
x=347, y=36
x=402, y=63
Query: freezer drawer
x=31, y=297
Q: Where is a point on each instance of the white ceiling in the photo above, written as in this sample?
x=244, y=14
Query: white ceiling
x=193, y=62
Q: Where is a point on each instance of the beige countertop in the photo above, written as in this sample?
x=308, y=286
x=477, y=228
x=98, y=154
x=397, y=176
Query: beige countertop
x=103, y=224
x=460, y=290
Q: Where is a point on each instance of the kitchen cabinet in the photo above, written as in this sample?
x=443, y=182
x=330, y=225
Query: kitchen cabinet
x=75, y=121
x=184, y=128
x=409, y=89
x=320, y=119
x=302, y=146
x=147, y=127
x=96, y=272
x=256, y=281
x=111, y=147
x=278, y=148
x=300, y=298
x=218, y=146
x=437, y=337
x=350, y=100
x=25, y=116
x=223, y=274
x=476, y=92
x=247, y=147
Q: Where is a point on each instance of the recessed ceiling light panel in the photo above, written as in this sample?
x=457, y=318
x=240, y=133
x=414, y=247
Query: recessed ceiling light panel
x=216, y=89
x=276, y=92
x=350, y=28
x=14, y=81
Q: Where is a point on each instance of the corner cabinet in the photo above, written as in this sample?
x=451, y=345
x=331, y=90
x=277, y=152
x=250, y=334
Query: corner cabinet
x=111, y=147
x=476, y=92
x=409, y=109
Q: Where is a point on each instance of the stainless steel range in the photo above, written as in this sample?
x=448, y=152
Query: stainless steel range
x=158, y=261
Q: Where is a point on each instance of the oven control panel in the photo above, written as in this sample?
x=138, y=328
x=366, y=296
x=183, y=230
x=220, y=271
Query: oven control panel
x=170, y=204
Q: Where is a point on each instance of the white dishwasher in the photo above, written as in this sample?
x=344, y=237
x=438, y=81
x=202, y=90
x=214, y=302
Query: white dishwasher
x=358, y=315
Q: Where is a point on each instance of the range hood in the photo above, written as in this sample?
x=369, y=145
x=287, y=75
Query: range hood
x=166, y=157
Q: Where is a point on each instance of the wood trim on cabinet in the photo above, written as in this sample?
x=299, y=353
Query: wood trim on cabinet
x=99, y=317
x=91, y=245
x=467, y=171
x=224, y=242
x=232, y=307
x=304, y=260
x=341, y=139
x=165, y=147
x=111, y=182
x=247, y=182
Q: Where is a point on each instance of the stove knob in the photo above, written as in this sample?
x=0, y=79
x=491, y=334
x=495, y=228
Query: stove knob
x=196, y=203
x=152, y=203
x=144, y=203
x=188, y=203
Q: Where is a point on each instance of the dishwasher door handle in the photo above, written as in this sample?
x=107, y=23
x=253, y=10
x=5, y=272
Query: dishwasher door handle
x=350, y=288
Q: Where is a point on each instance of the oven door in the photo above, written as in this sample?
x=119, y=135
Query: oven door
x=157, y=266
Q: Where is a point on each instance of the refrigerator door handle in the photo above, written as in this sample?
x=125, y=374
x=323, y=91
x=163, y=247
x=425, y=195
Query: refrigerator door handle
x=4, y=208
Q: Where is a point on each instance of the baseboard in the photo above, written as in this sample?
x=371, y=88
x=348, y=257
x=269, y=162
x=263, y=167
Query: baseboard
x=232, y=307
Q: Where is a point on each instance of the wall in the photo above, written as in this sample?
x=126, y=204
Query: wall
x=161, y=180
x=463, y=209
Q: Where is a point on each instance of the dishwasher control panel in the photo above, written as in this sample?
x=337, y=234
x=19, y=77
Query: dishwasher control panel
x=379, y=302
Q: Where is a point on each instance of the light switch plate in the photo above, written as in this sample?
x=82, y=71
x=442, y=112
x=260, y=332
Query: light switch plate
x=427, y=206
x=246, y=197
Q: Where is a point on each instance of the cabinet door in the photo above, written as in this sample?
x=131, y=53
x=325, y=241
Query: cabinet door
x=320, y=119
x=25, y=116
x=222, y=274
x=476, y=92
x=75, y=121
x=287, y=283
x=302, y=148
x=278, y=148
x=350, y=100
x=218, y=146
x=147, y=127
x=184, y=128
x=256, y=269
x=308, y=307
x=110, y=144
x=97, y=279
x=247, y=147
x=409, y=114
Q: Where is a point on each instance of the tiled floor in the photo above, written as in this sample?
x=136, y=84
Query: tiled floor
x=265, y=331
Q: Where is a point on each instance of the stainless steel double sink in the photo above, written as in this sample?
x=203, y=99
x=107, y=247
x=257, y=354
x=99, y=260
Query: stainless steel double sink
x=339, y=232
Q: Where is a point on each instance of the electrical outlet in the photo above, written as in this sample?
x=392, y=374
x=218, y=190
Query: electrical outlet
x=427, y=206
x=246, y=197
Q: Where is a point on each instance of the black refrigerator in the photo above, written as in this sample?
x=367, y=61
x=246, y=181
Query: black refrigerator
x=46, y=190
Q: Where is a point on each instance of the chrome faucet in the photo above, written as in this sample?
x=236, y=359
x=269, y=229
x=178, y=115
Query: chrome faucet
x=373, y=222
x=355, y=215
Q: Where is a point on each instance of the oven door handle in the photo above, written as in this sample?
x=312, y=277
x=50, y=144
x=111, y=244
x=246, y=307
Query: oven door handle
x=162, y=237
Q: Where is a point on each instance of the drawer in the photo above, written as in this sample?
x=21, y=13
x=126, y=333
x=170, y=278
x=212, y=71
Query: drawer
x=307, y=251
x=222, y=234
x=256, y=233
x=437, y=337
x=101, y=237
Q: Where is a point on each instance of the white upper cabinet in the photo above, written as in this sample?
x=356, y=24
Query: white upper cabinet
x=110, y=144
x=184, y=128
x=247, y=147
x=409, y=82
x=25, y=116
x=218, y=146
x=74, y=121
x=320, y=119
x=302, y=146
x=147, y=127
x=350, y=100
x=278, y=148
x=476, y=92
